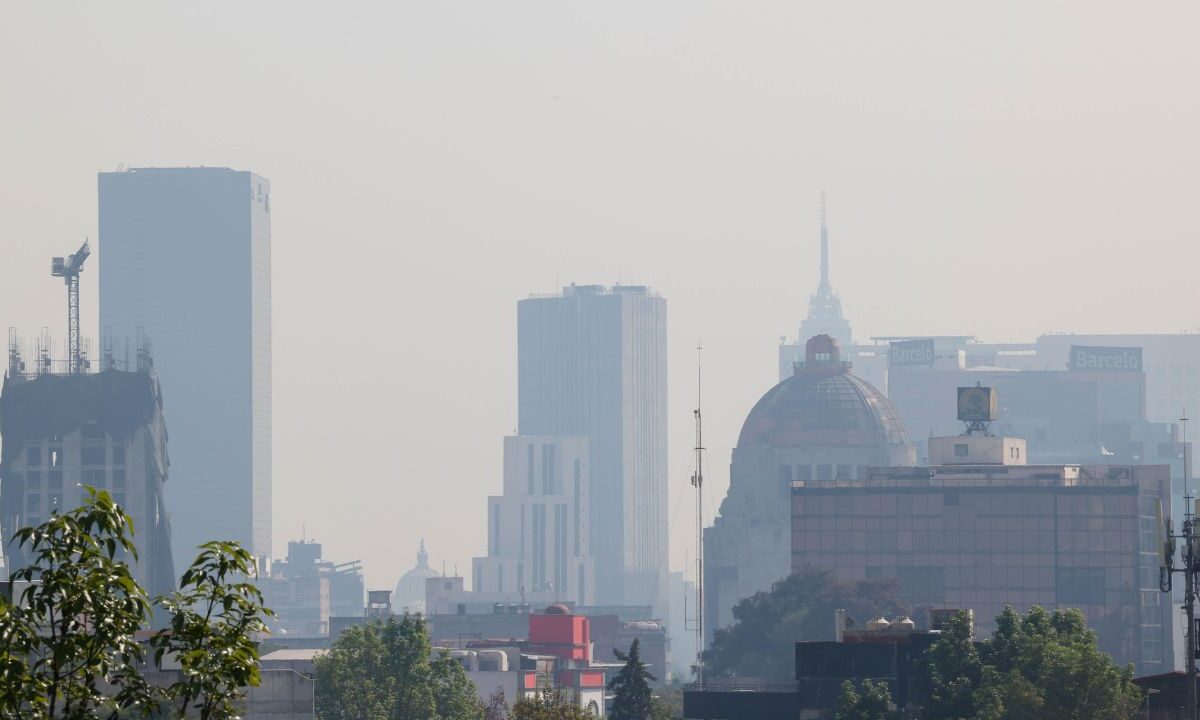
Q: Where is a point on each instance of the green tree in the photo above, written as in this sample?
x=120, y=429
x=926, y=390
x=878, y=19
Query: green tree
x=383, y=671
x=952, y=671
x=631, y=686
x=549, y=704
x=874, y=702
x=496, y=707
x=216, y=617
x=67, y=645
x=1040, y=666
x=761, y=642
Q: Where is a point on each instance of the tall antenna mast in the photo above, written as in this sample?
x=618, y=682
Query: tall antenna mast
x=698, y=483
x=824, y=246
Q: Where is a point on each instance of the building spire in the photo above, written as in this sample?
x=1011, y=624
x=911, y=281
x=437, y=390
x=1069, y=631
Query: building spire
x=824, y=247
x=422, y=556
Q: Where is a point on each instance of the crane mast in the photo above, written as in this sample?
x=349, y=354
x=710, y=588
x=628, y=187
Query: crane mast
x=698, y=483
x=68, y=269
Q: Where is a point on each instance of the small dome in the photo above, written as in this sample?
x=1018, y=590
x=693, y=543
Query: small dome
x=823, y=404
x=558, y=609
x=410, y=591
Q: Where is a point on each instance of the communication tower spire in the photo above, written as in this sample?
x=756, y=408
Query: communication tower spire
x=824, y=246
x=68, y=269
x=698, y=483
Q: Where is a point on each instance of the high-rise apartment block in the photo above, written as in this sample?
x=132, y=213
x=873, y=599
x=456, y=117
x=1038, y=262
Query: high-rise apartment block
x=105, y=430
x=592, y=362
x=538, y=540
x=185, y=259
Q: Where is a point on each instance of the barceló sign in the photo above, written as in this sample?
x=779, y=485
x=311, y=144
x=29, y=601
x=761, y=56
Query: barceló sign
x=1106, y=359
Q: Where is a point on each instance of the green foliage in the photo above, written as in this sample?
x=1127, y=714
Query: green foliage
x=631, y=687
x=761, y=642
x=214, y=620
x=952, y=672
x=1040, y=666
x=668, y=702
x=549, y=704
x=383, y=671
x=67, y=646
x=496, y=707
x=874, y=702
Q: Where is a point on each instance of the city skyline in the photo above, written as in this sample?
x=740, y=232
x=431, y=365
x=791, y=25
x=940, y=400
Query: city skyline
x=939, y=174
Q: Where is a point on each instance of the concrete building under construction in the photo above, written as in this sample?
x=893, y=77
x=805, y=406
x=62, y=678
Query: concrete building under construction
x=105, y=429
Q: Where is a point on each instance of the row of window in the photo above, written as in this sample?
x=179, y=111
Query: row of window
x=96, y=477
x=54, y=456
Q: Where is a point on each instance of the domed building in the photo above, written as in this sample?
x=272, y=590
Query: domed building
x=819, y=426
x=410, y=591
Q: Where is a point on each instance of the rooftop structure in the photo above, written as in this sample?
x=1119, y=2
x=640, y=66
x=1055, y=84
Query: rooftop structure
x=410, y=589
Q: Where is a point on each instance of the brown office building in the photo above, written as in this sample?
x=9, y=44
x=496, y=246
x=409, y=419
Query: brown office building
x=980, y=529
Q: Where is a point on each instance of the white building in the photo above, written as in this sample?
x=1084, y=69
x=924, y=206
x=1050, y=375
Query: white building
x=592, y=362
x=538, y=542
x=185, y=258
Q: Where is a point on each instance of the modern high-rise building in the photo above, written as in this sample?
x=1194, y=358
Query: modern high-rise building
x=185, y=260
x=592, y=362
x=62, y=432
x=538, y=529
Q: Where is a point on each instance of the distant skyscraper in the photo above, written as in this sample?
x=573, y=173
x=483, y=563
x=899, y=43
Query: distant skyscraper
x=538, y=529
x=825, y=318
x=825, y=308
x=592, y=362
x=185, y=257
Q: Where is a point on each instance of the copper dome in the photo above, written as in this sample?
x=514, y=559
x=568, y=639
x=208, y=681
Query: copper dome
x=823, y=404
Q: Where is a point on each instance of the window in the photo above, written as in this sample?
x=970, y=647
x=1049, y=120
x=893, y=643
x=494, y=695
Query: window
x=961, y=450
x=495, y=525
x=118, y=456
x=94, y=478
x=824, y=473
x=33, y=456
x=55, y=502
x=1014, y=452
x=529, y=463
x=845, y=472
x=92, y=431
x=118, y=478
x=1152, y=651
x=803, y=473
x=54, y=479
x=33, y=502
x=548, y=484
x=92, y=455
x=33, y=479
x=500, y=577
x=56, y=456
x=1081, y=586
x=119, y=498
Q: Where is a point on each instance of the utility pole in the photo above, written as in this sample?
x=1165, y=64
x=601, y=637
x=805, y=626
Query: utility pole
x=1189, y=569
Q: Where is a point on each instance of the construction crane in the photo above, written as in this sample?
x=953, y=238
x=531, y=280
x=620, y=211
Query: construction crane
x=68, y=269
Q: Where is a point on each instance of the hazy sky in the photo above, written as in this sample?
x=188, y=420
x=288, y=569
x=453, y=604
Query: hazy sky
x=1002, y=169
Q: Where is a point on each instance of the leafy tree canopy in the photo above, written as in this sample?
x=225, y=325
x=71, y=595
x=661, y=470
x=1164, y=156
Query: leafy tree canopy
x=383, y=671
x=761, y=642
x=872, y=702
x=1037, y=666
x=549, y=704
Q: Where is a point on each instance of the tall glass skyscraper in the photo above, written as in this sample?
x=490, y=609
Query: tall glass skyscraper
x=185, y=259
x=592, y=362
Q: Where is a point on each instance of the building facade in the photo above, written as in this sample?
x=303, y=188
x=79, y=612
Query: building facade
x=592, y=362
x=538, y=529
x=104, y=430
x=185, y=259
x=822, y=424
x=984, y=536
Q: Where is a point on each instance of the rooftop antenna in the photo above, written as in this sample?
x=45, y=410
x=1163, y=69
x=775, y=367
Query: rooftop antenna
x=698, y=483
x=824, y=246
x=68, y=269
